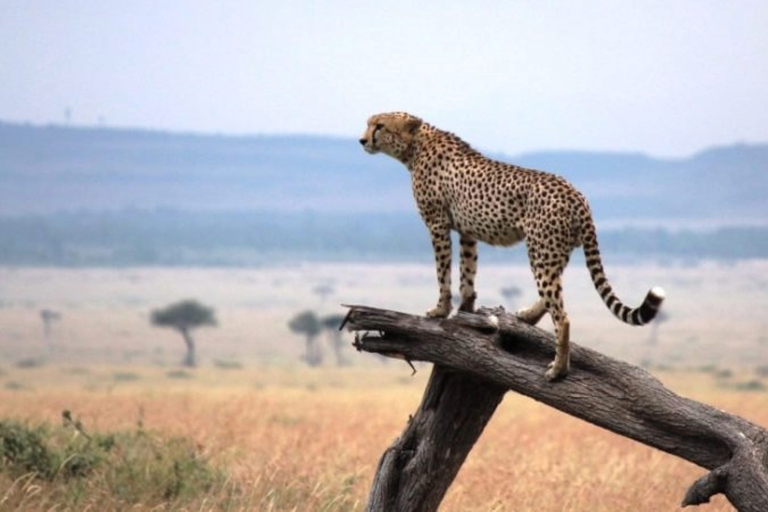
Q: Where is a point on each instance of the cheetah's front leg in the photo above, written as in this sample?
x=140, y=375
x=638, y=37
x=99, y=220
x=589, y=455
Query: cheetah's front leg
x=441, y=244
x=468, y=270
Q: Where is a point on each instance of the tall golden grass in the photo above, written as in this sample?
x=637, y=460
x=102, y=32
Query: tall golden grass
x=295, y=439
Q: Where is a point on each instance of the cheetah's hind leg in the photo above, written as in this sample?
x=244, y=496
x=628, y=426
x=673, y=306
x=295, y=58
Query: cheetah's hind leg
x=533, y=314
x=558, y=368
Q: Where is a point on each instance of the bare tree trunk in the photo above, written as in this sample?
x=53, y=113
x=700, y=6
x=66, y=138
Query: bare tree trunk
x=338, y=348
x=314, y=354
x=480, y=356
x=190, y=359
x=416, y=471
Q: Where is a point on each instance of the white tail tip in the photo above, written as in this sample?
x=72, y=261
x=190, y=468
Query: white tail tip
x=659, y=292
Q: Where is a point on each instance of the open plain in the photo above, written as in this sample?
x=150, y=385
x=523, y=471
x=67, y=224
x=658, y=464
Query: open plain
x=292, y=438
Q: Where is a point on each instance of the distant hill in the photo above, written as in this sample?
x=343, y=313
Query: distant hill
x=44, y=169
x=53, y=168
x=173, y=238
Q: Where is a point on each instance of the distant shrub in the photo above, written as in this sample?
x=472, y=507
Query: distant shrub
x=751, y=385
x=708, y=368
x=13, y=385
x=29, y=362
x=725, y=373
x=179, y=374
x=77, y=370
x=228, y=365
x=762, y=371
x=125, y=377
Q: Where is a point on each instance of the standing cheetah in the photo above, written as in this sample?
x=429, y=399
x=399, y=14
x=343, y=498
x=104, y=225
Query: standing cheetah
x=457, y=188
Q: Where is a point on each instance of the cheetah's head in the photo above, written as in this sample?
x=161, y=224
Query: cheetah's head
x=391, y=133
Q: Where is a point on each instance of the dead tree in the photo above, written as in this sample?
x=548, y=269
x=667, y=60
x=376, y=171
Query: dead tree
x=48, y=316
x=479, y=357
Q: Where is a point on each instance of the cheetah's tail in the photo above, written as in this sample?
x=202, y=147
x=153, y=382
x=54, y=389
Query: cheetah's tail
x=633, y=316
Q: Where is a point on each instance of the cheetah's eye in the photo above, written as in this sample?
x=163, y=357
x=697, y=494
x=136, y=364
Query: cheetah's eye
x=376, y=128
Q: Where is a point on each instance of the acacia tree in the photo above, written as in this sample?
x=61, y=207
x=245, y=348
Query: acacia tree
x=184, y=316
x=309, y=325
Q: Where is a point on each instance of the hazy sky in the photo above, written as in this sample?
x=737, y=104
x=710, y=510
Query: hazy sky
x=663, y=77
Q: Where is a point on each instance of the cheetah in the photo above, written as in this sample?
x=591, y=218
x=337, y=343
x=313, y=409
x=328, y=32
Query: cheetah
x=457, y=188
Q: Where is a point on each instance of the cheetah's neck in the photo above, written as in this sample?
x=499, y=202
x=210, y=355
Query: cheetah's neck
x=432, y=142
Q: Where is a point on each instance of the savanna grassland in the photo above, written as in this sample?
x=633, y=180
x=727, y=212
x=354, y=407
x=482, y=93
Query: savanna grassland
x=262, y=431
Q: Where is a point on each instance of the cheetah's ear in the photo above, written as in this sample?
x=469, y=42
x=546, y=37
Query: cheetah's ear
x=407, y=125
x=411, y=125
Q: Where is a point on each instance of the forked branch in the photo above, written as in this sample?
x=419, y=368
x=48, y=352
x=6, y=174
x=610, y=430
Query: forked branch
x=480, y=356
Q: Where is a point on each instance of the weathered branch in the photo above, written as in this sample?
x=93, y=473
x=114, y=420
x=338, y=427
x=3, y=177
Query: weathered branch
x=480, y=356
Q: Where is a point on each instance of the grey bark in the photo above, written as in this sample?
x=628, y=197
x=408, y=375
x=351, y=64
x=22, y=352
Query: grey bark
x=190, y=360
x=478, y=357
x=313, y=353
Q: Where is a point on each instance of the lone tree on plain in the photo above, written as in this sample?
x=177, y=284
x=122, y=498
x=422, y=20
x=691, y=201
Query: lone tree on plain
x=184, y=316
x=309, y=325
x=48, y=316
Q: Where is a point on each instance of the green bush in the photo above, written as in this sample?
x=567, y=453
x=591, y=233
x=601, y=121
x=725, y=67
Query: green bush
x=25, y=449
x=22, y=450
x=158, y=469
x=132, y=466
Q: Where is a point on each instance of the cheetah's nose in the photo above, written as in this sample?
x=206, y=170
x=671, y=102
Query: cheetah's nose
x=363, y=142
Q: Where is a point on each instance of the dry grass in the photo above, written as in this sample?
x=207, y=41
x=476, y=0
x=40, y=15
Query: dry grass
x=306, y=440
x=294, y=439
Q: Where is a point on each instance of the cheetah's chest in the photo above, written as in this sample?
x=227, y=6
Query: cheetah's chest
x=478, y=201
x=481, y=209
x=484, y=222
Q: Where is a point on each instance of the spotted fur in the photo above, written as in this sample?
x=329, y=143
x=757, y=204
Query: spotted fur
x=457, y=188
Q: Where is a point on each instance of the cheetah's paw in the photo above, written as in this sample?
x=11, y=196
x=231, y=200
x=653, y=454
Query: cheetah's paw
x=439, y=311
x=554, y=373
